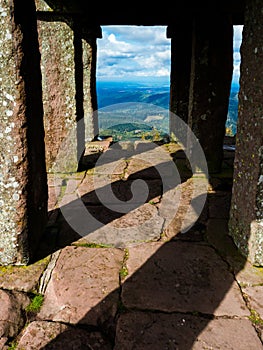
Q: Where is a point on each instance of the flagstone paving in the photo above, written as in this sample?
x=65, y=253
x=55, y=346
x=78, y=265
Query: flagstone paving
x=123, y=266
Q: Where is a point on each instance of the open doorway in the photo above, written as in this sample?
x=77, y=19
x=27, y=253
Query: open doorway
x=133, y=82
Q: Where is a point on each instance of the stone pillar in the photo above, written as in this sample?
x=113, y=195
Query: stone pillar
x=59, y=90
x=68, y=51
x=181, y=52
x=89, y=44
x=23, y=181
x=211, y=78
x=246, y=214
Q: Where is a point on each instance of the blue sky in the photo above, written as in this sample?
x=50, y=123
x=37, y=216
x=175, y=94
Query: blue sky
x=134, y=52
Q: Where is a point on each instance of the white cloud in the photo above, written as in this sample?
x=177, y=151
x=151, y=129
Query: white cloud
x=130, y=51
x=238, y=30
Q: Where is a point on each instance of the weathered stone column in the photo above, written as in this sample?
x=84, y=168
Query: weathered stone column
x=181, y=53
x=59, y=90
x=68, y=51
x=246, y=215
x=211, y=77
x=89, y=44
x=23, y=182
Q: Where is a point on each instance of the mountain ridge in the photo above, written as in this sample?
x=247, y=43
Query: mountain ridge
x=134, y=102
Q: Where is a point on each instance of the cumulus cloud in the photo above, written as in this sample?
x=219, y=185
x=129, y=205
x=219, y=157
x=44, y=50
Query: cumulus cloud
x=130, y=51
x=236, y=47
x=127, y=52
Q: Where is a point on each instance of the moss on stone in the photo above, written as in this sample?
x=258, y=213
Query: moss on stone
x=36, y=303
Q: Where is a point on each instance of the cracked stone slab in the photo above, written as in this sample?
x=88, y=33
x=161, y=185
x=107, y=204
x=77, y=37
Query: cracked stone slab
x=22, y=278
x=11, y=314
x=249, y=275
x=89, y=186
x=3, y=341
x=52, y=197
x=52, y=335
x=102, y=191
x=147, y=167
x=109, y=165
x=217, y=235
x=155, y=331
x=255, y=297
x=181, y=277
x=101, y=225
x=84, y=286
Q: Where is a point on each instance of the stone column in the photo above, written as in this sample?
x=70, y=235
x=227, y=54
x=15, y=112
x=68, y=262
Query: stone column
x=181, y=52
x=246, y=215
x=211, y=78
x=59, y=91
x=23, y=181
x=68, y=51
x=89, y=44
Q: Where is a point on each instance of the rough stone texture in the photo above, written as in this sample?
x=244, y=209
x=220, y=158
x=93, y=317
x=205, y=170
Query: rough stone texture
x=193, y=292
x=52, y=335
x=199, y=290
x=22, y=278
x=210, y=87
x=59, y=89
x=89, y=85
x=181, y=50
x=255, y=296
x=249, y=275
x=109, y=228
x=84, y=286
x=154, y=331
x=217, y=235
x=23, y=182
x=41, y=5
x=3, y=341
x=69, y=88
x=246, y=216
x=11, y=317
x=97, y=209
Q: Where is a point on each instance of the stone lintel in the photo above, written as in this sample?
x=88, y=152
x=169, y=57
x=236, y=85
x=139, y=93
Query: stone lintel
x=93, y=31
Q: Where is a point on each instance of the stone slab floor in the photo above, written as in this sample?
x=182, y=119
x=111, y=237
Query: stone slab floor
x=127, y=268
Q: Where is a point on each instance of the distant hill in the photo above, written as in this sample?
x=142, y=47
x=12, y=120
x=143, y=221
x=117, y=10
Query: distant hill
x=110, y=93
x=131, y=127
x=145, y=103
x=231, y=122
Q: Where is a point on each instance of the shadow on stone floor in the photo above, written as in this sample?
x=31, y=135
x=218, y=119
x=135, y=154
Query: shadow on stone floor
x=67, y=225
x=179, y=292
x=172, y=293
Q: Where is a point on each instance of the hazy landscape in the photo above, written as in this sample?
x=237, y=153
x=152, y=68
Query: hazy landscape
x=140, y=110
